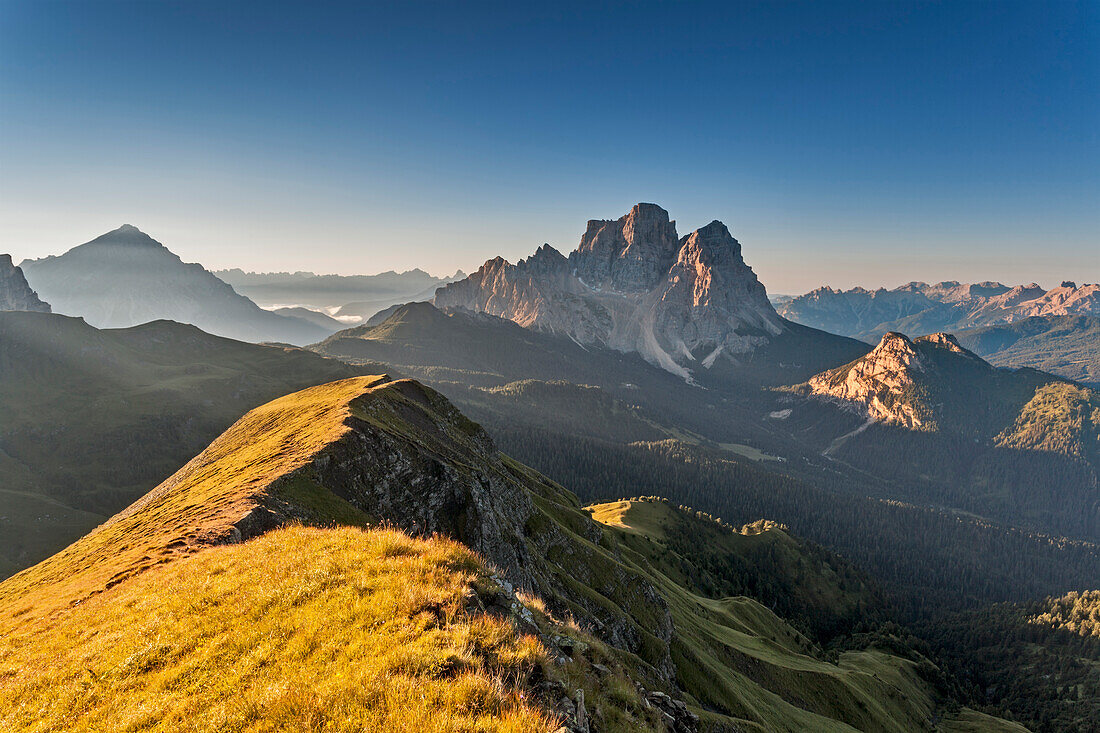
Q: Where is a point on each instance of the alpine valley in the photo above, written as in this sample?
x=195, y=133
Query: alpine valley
x=614, y=490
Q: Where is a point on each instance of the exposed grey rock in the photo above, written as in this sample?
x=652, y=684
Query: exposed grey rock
x=631, y=254
x=15, y=293
x=632, y=285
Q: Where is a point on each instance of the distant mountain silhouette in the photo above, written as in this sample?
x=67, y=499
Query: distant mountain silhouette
x=356, y=296
x=125, y=277
x=947, y=306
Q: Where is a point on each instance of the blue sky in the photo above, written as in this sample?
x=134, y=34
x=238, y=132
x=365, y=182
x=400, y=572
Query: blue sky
x=844, y=143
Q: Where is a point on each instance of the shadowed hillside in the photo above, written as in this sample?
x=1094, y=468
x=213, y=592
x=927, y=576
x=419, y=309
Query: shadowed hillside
x=95, y=418
x=946, y=427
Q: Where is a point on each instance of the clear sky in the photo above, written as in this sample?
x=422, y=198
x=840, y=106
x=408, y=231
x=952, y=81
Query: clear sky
x=844, y=143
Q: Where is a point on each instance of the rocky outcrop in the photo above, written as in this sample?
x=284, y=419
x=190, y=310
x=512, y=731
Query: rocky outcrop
x=879, y=383
x=456, y=488
x=914, y=383
x=15, y=293
x=634, y=286
x=945, y=341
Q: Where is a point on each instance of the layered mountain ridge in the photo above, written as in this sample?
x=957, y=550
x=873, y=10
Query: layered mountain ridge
x=633, y=285
x=15, y=293
x=919, y=307
x=93, y=419
x=1068, y=346
x=349, y=297
x=125, y=277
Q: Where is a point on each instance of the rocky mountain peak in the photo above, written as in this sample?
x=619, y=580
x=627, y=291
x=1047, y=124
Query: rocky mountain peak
x=125, y=277
x=711, y=246
x=629, y=254
x=546, y=260
x=877, y=383
x=634, y=286
x=896, y=347
x=945, y=341
x=127, y=235
x=15, y=293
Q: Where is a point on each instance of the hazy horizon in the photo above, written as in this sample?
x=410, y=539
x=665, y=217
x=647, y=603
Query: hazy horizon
x=842, y=143
x=259, y=268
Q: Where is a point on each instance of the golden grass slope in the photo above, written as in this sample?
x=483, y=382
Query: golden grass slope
x=302, y=629
x=201, y=503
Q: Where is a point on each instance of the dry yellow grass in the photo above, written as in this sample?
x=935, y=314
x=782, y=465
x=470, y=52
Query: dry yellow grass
x=194, y=507
x=302, y=629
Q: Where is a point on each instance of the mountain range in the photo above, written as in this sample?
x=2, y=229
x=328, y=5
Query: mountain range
x=125, y=278
x=351, y=298
x=1068, y=346
x=1024, y=326
x=947, y=306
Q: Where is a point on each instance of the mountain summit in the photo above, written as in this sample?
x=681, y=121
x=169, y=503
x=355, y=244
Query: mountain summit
x=125, y=235
x=633, y=285
x=125, y=277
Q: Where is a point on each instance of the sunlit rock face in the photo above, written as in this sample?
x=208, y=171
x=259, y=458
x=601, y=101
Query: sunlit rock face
x=15, y=293
x=633, y=285
x=878, y=382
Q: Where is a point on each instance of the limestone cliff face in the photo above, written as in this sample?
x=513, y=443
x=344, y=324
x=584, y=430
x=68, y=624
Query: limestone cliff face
x=631, y=254
x=539, y=292
x=879, y=382
x=909, y=382
x=708, y=290
x=15, y=293
x=632, y=285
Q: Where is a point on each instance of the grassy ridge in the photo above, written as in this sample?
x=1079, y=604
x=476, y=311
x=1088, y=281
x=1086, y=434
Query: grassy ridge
x=818, y=592
x=201, y=503
x=736, y=656
x=93, y=419
x=302, y=629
